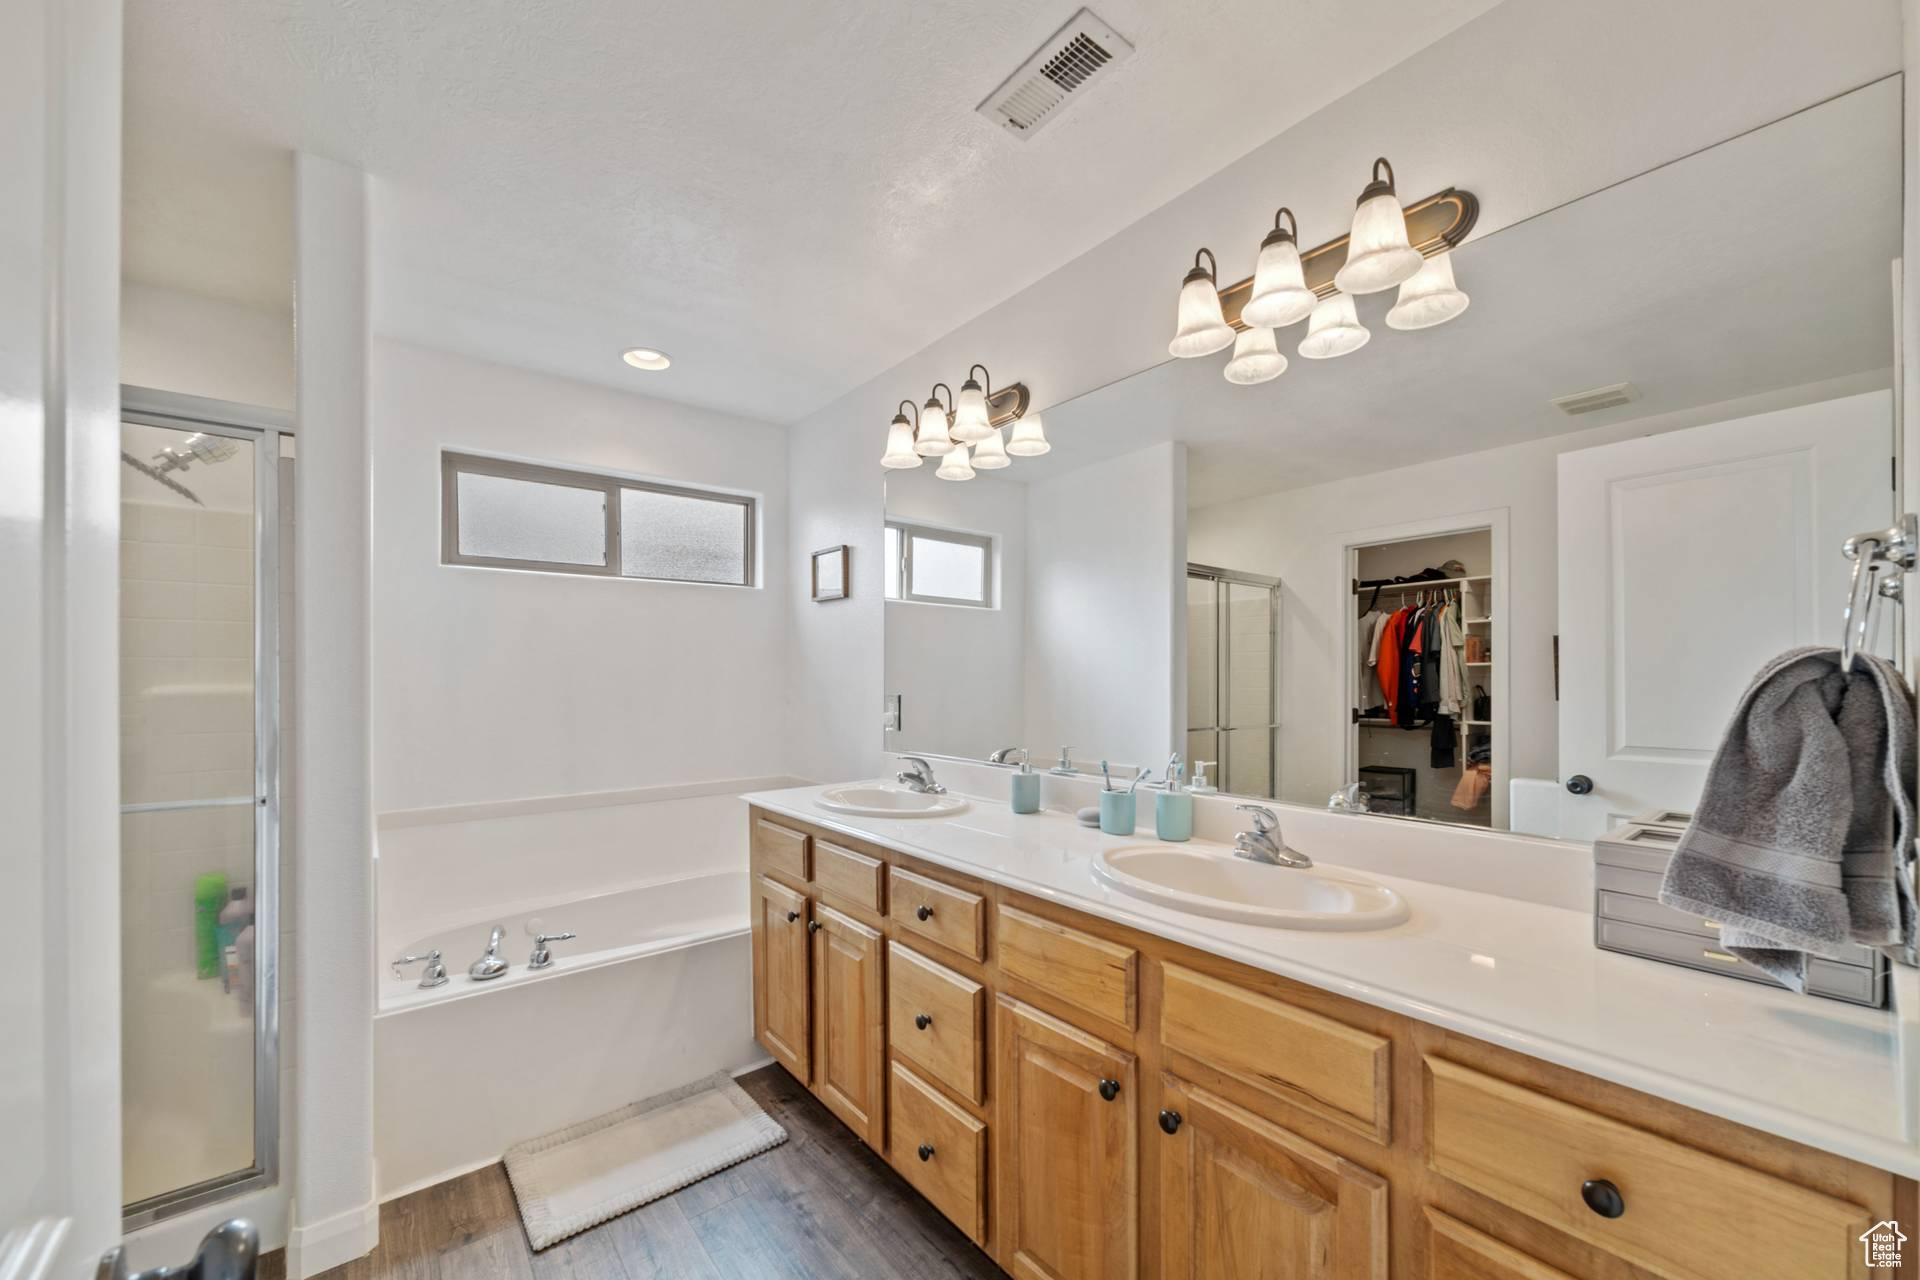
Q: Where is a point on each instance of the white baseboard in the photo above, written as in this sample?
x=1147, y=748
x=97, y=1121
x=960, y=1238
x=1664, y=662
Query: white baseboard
x=313, y=1247
x=737, y=1072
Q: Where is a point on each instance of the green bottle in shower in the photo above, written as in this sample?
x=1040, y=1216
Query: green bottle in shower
x=209, y=896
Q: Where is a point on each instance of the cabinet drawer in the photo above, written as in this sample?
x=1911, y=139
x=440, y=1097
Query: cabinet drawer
x=1455, y=1251
x=1687, y=1215
x=851, y=876
x=1084, y=971
x=951, y=917
x=1335, y=1071
x=934, y=1018
x=780, y=849
x=940, y=1149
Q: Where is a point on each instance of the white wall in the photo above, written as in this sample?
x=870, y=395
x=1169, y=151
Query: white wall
x=198, y=346
x=1106, y=615
x=495, y=684
x=1299, y=536
x=961, y=672
x=1531, y=105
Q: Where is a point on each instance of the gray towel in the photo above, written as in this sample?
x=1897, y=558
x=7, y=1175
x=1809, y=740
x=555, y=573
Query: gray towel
x=1808, y=811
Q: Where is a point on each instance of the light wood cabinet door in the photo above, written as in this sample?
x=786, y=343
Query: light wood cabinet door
x=781, y=1009
x=1455, y=1251
x=1243, y=1199
x=849, y=1044
x=1067, y=1174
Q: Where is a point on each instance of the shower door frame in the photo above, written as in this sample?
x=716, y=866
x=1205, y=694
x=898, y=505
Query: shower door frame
x=1223, y=676
x=262, y=428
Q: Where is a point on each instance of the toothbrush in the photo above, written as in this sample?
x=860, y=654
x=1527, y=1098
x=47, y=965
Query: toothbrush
x=1141, y=777
x=1106, y=776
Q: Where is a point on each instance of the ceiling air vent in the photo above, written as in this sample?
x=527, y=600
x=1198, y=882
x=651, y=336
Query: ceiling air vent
x=1597, y=399
x=1058, y=74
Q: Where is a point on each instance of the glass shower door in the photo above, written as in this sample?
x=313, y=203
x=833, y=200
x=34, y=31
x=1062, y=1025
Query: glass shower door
x=1232, y=639
x=199, y=811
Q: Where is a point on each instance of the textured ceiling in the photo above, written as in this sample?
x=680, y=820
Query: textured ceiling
x=788, y=198
x=1757, y=265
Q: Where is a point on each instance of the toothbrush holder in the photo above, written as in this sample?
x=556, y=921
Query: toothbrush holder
x=1117, y=812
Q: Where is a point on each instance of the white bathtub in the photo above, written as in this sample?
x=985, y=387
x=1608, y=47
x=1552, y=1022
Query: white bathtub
x=655, y=992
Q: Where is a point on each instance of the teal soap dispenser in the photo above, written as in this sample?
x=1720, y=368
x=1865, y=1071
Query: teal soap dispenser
x=1026, y=788
x=1173, y=810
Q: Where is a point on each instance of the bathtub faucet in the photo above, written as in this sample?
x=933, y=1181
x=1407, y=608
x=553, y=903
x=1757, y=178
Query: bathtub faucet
x=541, y=957
x=490, y=965
x=434, y=975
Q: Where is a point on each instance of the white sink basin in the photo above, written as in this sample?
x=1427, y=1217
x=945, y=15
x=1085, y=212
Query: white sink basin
x=1216, y=883
x=872, y=800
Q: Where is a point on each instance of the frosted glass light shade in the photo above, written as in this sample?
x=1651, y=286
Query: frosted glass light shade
x=956, y=465
x=990, y=454
x=1280, y=293
x=970, y=417
x=900, y=455
x=1255, y=358
x=1334, y=329
x=932, y=440
x=1378, y=255
x=1029, y=438
x=1202, y=328
x=1430, y=298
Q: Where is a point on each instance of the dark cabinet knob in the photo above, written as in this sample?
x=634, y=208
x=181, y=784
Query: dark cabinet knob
x=923, y=1020
x=1169, y=1121
x=923, y=912
x=792, y=916
x=1109, y=1089
x=1603, y=1197
x=813, y=926
x=1580, y=784
x=926, y=1151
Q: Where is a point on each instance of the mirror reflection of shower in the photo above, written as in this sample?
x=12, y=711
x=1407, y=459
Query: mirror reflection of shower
x=198, y=447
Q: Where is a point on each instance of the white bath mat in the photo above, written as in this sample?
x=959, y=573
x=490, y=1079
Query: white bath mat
x=600, y=1168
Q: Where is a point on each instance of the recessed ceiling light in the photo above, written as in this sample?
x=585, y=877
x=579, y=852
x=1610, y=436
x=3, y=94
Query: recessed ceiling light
x=646, y=358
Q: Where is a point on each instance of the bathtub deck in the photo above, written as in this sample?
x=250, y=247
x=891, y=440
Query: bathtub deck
x=821, y=1205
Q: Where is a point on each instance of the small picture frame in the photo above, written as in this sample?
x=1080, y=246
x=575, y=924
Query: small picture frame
x=830, y=576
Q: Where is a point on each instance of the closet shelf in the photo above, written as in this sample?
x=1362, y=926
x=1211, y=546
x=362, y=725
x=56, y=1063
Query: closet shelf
x=1477, y=724
x=1471, y=621
x=1479, y=664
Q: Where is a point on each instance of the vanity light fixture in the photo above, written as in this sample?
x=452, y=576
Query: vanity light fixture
x=1202, y=328
x=971, y=422
x=1280, y=293
x=955, y=465
x=990, y=454
x=646, y=358
x=1429, y=298
x=1256, y=358
x=900, y=455
x=1334, y=329
x=1029, y=437
x=1379, y=256
x=933, y=437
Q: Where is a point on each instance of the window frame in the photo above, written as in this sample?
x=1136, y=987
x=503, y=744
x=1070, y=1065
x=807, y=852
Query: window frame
x=908, y=530
x=454, y=464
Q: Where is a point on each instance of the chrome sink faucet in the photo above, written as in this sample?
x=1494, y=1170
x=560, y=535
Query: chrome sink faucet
x=919, y=778
x=491, y=965
x=1351, y=798
x=1265, y=843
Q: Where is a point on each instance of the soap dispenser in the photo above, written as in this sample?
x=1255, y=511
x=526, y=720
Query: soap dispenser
x=1173, y=810
x=1026, y=788
x=1201, y=786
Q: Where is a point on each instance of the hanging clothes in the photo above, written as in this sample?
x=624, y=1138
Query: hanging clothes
x=1440, y=749
x=1390, y=657
x=1371, y=624
x=1474, y=785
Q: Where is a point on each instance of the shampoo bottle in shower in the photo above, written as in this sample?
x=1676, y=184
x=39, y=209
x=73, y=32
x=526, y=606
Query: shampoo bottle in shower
x=209, y=893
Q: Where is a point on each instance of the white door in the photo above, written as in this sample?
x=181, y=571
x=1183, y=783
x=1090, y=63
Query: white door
x=59, y=556
x=1687, y=560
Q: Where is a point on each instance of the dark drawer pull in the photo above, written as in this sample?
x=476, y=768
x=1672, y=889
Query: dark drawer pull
x=923, y=1020
x=792, y=916
x=813, y=926
x=1603, y=1197
x=1169, y=1121
x=1109, y=1089
x=923, y=912
x=926, y=1151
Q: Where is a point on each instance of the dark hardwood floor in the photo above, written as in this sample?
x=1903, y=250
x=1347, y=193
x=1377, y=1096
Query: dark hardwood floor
x=820, y=1205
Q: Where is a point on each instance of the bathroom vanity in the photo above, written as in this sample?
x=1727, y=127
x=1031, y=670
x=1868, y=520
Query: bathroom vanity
x=1098, y=1088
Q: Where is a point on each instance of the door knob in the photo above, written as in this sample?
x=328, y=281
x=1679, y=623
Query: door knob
x=813, y=926
x=926, y=1151
x=1109, y=1089
x=792, y=916
x=1580, y=784
x=1169, y=1121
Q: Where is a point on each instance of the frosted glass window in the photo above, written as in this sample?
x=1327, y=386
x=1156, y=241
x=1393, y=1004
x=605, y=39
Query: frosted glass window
x=682, y=537
x=893, y=563
x=503, y=518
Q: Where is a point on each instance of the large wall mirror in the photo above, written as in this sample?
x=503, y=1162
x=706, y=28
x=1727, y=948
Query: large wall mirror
x=1583, y=587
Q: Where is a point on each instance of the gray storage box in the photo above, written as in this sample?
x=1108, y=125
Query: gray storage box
x=1628, y=864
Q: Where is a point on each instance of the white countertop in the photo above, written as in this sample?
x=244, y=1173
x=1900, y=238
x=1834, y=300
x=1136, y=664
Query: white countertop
x=1514, y=973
